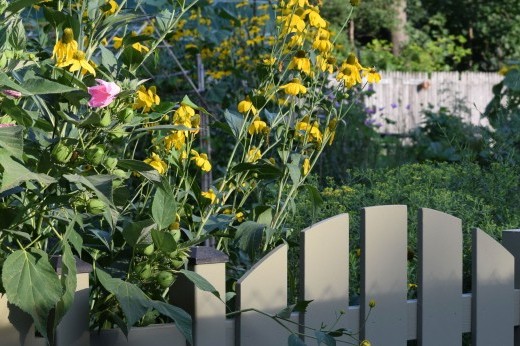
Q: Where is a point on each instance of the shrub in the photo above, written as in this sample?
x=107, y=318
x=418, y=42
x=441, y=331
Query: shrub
x=487, y=198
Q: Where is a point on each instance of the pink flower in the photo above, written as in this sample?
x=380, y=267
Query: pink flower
x=103, y=94
x=12, y=93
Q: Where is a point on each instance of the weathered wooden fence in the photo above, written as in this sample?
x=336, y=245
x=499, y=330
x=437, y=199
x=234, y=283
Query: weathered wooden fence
x=401, y=96
x=440, y=315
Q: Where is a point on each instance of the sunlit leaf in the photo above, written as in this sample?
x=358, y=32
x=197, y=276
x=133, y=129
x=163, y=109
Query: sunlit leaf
x=31, y=283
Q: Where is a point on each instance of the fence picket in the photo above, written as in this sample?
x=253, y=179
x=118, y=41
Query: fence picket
x=440, y=279
x=492, y=318
x=324, y=272
x=384, y=274
x=263, y=287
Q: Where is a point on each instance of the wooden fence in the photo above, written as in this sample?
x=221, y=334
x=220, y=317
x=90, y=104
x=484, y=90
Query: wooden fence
x=440, y=315
x=401, y=96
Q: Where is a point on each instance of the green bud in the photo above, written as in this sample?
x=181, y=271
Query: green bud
x=62, y=153
x=105, y=120
x=120, y=173
x=144, y=270
x=110, y=163
x=96, y=206
x=148, y=249
x=95, y=154
x=355, y=3
x=165, y=279
x=126, y=115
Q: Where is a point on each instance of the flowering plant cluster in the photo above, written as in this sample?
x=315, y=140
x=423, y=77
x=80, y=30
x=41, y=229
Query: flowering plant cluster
x=96, y=163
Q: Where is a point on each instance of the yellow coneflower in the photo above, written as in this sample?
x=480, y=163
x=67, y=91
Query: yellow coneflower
x=64, y=49
x=77, y=62
x=146, y=98
x=201, y=160
x=157, y=163
x=294, y=88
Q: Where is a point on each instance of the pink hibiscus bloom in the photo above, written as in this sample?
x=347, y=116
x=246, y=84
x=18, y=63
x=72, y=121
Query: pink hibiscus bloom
x=103, y=94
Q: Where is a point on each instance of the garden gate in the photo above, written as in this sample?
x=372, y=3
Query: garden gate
x=440, y=315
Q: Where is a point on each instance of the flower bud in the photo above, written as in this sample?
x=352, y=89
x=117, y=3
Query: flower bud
x=355, y=3
x=95, y=154
x=110, y=163
x=68, y=36
x=105, y=120
x=96, y=206
x=62, y=153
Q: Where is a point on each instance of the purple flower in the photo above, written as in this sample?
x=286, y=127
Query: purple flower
x=408, y=107
x=12, y=93
x=103, y=94
x=394, y=105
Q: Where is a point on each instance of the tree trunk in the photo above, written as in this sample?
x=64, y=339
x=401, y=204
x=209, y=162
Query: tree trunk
x=399, y=35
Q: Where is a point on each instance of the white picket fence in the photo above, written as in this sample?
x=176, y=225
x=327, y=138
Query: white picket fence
x=440, y=315
x=402, y=96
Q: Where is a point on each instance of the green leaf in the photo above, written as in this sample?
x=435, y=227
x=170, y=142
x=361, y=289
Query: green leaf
x=218, y=222
x=512, y=80
x=164, y=207
x=133, y=232
x=164, y=240
x=20, y=115
x=144, y=169
x=31, y=283
x=286, y=312
x=294, y=172
x=186, y=101
x=15, y=173
x=16, y=6
x=11, y=139
x=323, y=338
x=315, y=197
x=108, y=59
x=181, y=318
x=41, y=86
x=234, y=121
x=264, y=214
x=264, y=170
x=294, y=340
x=132, y=300
x=200, y=282
x=249, y=235
x=68, y=281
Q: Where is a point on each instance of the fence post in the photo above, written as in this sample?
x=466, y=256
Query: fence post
x=73, y=329
x=511, y=241
x=207, y=311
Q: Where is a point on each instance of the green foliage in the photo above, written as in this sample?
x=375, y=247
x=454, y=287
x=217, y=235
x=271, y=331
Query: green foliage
x=486, y=198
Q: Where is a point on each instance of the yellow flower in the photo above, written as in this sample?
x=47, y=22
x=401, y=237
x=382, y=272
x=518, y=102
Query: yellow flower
x=239, y=216
x=321, y=42
x=315, y=19
x=312, y=132
x=246, y=106
x=175, y=140
x=349, y=73
x=156, y=162
x=257, y=126
x=306, y=167
x=294, y=88
x=412, y=286
x=201, y=160
x=270, y=61
x=292, y=23
x=183, y=115
x=325, y=64
x=301, y=62
x=299, y=3
x=146, y=98
x=64, y=49
x=254, y=154
x=113, y=7
x=210, y=194
x=365, y=343
x=149, y=28
x=118, y=42
x=372, y=75
x=140, y=48
x=77, y=62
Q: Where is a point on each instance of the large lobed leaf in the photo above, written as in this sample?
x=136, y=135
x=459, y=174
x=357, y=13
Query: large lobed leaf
x=31, y=283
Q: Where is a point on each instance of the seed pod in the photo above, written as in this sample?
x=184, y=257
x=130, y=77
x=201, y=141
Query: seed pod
x=95, y=154
x=96, y=206
x=110, y=163
x=126, y=115
x=62, y=153
x=165, y=279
